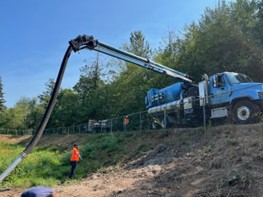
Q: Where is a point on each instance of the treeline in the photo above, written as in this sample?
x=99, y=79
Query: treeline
x=226, y=38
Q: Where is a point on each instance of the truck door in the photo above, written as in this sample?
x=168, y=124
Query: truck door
x=219, y=90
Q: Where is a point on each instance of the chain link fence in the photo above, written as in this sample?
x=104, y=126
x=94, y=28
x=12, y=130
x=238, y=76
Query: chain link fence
x=16, y=132
x=136, y=122
x=196, y=112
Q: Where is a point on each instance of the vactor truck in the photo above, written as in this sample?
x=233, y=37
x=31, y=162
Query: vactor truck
x=226, y=94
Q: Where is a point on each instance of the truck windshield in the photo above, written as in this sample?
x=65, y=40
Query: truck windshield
x=236, y=78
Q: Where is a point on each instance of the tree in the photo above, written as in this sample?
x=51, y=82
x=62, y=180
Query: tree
x=169, y=56
x=129, y=89
x=66, y=112
x=32, y=111
x=2, y=100
x=138, y=45
x=259, y=22
x=13, y=118
x=225, y=39
x=90, y=81
x=45, y=96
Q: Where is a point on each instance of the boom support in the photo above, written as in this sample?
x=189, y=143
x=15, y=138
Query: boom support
x=88, y=42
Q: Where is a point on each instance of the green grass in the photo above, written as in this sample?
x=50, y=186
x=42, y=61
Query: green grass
x=49, y=166
x=40, y=167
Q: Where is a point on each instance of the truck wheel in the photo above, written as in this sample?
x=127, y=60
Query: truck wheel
x=245, y=112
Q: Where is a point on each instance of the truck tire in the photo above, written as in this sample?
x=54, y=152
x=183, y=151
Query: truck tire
x=245, y=112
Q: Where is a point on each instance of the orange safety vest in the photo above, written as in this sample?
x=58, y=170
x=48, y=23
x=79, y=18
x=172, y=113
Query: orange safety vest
x=75, y=154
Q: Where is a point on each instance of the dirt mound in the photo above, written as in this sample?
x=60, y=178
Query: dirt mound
x=224, y=161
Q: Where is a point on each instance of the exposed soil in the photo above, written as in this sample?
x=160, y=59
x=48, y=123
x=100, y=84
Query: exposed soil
x=224, y=161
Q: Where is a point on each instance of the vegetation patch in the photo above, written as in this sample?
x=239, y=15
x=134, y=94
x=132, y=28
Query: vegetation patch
x=40, y=167
x=50, y=164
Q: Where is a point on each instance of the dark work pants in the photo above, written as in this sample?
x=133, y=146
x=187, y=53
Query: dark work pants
x=74, y=165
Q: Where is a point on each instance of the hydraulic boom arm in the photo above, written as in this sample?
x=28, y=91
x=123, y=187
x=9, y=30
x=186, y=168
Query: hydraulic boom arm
x=88, y=42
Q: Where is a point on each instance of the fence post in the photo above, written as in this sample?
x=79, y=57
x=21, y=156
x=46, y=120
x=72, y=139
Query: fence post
x=204, y=115
x=164, y=120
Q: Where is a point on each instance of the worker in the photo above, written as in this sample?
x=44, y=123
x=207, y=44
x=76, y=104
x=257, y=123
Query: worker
x=39, y=191
x=74, y=159
x=125, y=122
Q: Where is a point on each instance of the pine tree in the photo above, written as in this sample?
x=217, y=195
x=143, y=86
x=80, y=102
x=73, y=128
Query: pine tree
x=2, y=100
x=138, y=45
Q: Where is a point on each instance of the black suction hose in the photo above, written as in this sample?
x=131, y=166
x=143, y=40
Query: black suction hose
x=44, y=120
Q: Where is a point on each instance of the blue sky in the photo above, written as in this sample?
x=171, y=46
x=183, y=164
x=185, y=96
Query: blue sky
x=35, y=34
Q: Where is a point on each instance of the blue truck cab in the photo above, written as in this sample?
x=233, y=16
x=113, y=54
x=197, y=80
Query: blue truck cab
x=235, y=94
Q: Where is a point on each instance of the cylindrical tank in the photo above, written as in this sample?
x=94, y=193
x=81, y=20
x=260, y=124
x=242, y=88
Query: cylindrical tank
x=168, y=94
